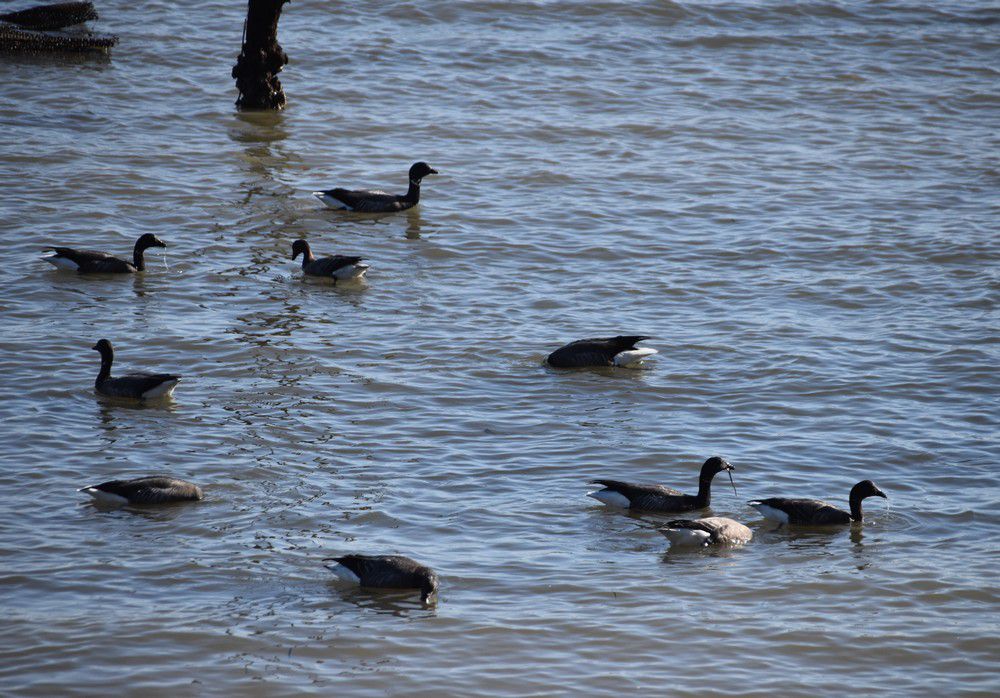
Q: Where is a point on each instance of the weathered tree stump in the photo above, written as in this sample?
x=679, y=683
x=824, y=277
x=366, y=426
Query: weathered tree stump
x=261, y=58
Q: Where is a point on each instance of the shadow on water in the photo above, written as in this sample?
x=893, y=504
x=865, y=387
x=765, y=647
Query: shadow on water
x=157, y=512
x=258, y=127
x=395, y=602
x=414, y=224
x=264, y=161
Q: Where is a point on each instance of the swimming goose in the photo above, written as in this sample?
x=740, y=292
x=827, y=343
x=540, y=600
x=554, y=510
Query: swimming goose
x=815, y=512
x=385, y=572
x=660, y=498
x=135, y=385
x=87, y=262
x=604, y=351
x=337, y=267
x=156, y=489
x=714, y=530
x=364, y=201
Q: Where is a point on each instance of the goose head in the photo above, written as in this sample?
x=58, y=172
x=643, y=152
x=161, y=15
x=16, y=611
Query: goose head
x=429, y=588
x=717, y=464
x=419, y=170
x=866, y=488
x=300, y=247
x=103, y=346
x=149, y=240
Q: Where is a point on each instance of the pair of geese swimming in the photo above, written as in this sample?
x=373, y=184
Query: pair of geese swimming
x=338, y=267
x=401, y=572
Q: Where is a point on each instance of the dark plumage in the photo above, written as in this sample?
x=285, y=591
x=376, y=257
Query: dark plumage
x=604, y=351
x=660, y=498
x=365, y=201
x=156, y=489
x=89, y=262
x=337, y=267
x=385, y=572
x=132, y=385
x=815, y=512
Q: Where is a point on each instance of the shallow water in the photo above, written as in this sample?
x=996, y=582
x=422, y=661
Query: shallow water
x=797, y=201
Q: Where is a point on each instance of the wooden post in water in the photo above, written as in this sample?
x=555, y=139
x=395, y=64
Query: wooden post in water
x=261, y=59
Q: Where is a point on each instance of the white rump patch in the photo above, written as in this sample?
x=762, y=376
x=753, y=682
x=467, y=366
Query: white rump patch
x=349, y=273
x=686, y=536
x=331, y=202
x=770, y=513
x=61, y=262
x=162, y=390
x=611, y=498
x=633, y=357
x=105, y=497
x=343, y=573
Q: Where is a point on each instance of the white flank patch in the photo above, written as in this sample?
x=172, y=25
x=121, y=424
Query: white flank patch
x=686, y=536
x=770, y=513
x=163, y=389
x=354, y=271
x=343, y=573
x=331, y=202
x=105, y=497
x=633, y=357
x=611, y=498
x=61, y=263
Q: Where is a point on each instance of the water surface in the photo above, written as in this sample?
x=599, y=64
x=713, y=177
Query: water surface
x=797, y=201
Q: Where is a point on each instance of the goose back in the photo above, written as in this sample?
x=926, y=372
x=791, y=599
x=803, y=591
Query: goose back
x=377, y=201
x=386, y=572
x=155, y=489
x=133, y=385
x=88, y=261
x=92, y=262
x=658, y=498
x=712, y=530
x=599, y=351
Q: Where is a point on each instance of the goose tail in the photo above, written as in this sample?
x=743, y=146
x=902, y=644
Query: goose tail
x=634, y=357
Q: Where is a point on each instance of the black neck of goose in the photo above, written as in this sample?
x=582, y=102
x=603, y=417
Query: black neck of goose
x=856, y=513
x=107, y=356
x=413, y=193
x=307, y=257
x=137, y=258
x=705, y=490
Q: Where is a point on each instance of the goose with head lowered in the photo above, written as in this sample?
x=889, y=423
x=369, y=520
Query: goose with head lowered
x=385, y=572
x=376, y=201
x=814, y=512
x=89, y=262
x=155, y=489
x=142, y=386
x=338, y=267
x=602, y=351
x=664, y=499
x=714, y=530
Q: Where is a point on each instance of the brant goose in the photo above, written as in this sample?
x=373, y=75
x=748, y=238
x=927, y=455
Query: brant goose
x=385, y=572
x=660, y=498
x=87, y=262
x=714, y=530
x=156, y=489
x=135, y=385
x=604, y=351
x=337, y=267
x=815, y=512
x=364, y=201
